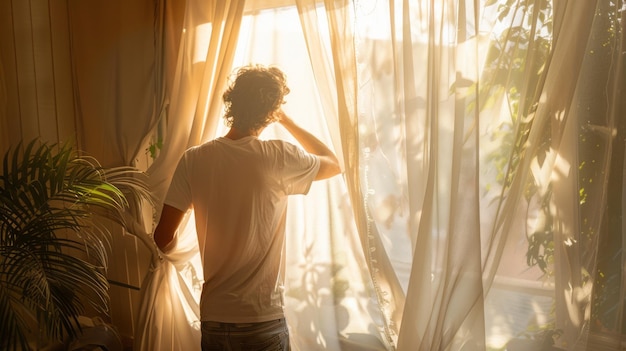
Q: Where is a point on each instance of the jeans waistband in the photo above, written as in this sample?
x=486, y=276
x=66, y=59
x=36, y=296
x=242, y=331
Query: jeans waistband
x=211, y=324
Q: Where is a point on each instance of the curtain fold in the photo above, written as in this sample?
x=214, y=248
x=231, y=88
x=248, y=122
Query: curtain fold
x=444, y=306
x=169, y=315
x=341, y=40
x=557, y=111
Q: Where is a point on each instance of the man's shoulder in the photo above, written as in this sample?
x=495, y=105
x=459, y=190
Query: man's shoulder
x=200, y=147
x=288, y=151
x=278, y=144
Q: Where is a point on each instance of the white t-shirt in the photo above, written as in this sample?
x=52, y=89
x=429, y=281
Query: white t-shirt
x=238, y=190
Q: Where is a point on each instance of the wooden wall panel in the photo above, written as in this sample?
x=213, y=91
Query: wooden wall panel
x=37, y=99
x=44, y=72
x=37, y=76
x=8, y=61
x=127, y=267
x=62, y=66
x=25, y=69
x=7, y=76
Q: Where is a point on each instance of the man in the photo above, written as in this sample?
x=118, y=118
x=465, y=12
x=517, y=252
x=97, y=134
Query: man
x=238, y=187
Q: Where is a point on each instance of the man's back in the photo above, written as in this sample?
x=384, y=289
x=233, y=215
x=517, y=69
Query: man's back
x=238, y=189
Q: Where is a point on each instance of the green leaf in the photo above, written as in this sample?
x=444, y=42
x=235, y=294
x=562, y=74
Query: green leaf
x=51, y=201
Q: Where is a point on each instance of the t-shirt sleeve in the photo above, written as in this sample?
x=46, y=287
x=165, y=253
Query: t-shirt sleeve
x=179, y=192
x=299, y=169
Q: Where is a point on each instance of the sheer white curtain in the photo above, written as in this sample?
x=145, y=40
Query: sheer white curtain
x=330, y=27
x=478, y=140
x=473, y=132
x=200, y=37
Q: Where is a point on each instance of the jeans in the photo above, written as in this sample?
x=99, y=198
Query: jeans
x=263, y=336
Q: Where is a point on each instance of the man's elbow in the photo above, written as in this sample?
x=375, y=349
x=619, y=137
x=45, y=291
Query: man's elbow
x=165, y=238
x=329, y=167
x=162, y=242
x=334, y=169
x=165, y=232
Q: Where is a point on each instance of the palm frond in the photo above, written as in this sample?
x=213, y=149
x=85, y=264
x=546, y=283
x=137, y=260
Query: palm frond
x=52, y=244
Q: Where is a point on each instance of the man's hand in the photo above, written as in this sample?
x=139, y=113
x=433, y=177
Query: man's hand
x=281, y=117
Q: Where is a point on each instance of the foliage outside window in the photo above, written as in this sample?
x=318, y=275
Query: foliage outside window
x=525, y=47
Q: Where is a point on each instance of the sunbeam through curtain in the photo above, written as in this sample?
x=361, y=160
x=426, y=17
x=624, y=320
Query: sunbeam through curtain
x=482, y=143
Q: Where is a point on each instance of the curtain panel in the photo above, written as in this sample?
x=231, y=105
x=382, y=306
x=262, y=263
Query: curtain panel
x=476, y=146
x=341, y=67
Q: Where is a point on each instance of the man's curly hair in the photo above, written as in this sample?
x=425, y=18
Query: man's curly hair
x=253, y=97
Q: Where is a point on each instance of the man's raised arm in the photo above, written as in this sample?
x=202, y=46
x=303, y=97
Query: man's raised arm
x=329, y=165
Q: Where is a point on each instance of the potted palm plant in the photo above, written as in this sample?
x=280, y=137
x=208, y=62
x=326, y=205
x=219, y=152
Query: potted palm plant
x=54, y=204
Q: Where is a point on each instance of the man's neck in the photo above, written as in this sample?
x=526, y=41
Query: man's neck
x=235, y=133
